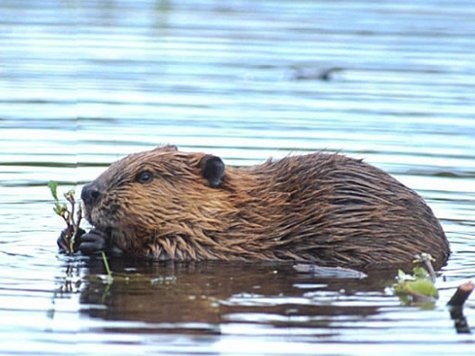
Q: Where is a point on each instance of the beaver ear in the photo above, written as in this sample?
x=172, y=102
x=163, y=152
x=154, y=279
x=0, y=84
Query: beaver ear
x=169, y=148
x=212, y=169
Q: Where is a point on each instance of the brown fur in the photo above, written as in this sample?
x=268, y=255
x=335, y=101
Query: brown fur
x=324, y=208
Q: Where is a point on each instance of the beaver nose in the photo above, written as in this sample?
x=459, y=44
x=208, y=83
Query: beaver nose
x=90, y=194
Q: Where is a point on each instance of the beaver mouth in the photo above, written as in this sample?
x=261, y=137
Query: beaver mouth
x=100, y=223
x=104, y=226
x=101, y=214
x=87, y=216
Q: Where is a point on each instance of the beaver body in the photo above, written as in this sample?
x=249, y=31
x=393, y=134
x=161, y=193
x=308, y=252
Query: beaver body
x=323, y=208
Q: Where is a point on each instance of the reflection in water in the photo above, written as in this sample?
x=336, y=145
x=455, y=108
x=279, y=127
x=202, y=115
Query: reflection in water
x=212, y=297
x=176, y=297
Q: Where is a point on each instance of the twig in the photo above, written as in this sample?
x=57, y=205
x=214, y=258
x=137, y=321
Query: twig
x=76, y=227
x=426, y=260
x=65, y=218
x=456, y=304
x=71, y=214
x=461, y=294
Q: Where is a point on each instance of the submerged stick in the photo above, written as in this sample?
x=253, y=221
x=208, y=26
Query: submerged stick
x=460, y=321
x=329, y=272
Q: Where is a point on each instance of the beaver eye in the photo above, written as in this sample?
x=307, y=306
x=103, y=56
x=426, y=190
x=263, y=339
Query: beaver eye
x=145, y=177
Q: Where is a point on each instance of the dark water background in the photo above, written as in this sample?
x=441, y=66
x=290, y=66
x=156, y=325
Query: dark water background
x=83, y=83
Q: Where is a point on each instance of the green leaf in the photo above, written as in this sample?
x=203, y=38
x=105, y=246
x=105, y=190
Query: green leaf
x=419, y=287
x=60, y=208
x=401, y=275
x=53, y=187
x=421, y=273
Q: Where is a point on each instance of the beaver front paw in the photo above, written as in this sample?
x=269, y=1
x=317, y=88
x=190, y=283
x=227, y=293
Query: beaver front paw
x=96, y=241
x=93, y=242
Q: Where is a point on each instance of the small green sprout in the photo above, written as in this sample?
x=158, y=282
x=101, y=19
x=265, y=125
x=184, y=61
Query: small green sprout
x=71, y=216
x=418, y=287
x=106, y=265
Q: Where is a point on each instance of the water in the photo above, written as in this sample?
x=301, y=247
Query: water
x=84, y=83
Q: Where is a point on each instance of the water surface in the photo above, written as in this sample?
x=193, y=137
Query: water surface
x=84, y=83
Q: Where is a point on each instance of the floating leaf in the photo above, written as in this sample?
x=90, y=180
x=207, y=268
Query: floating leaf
x=402, y=276
x=421, y=273
x=418, y=287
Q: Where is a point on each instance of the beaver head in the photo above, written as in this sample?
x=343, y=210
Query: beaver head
x=164, y=195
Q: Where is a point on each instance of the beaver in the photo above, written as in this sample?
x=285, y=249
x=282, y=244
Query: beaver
x=325, y=208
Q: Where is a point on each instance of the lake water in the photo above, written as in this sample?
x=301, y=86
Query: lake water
x=84, y=83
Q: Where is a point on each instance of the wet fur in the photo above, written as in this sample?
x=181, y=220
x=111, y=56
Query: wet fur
x=324, y=208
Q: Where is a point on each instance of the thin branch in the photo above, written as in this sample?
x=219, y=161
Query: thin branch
x=461, y=294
